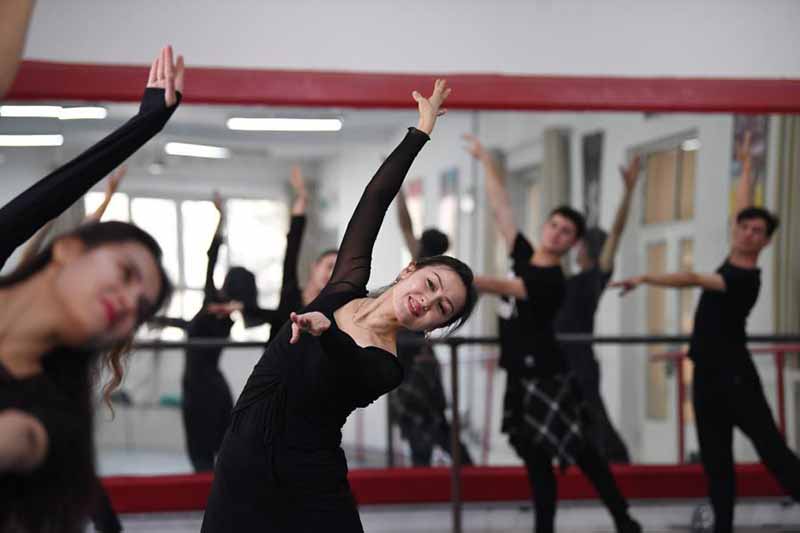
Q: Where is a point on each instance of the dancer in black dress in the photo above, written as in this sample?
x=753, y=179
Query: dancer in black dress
x=418, y=405
x=542, y=409
x=281, y=467
x=727, y=391
x=65, y=313
x=207, y=399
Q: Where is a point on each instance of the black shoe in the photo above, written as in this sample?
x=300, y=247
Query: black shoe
x=629, y=525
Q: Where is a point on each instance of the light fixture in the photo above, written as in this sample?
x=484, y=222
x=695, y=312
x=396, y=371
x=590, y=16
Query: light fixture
x=53, y=111
x=197, y=150
x=83, y=113
x=31, y=140
x=690, y=145
x=30, y=111
x=284, y=124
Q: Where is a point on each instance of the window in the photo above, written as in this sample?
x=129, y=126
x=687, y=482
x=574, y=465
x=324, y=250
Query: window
x=669, y=184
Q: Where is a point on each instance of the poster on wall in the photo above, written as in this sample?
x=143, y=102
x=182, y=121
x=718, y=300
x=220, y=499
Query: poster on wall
x=758, y=126
x=592, y=146
x=448, y=205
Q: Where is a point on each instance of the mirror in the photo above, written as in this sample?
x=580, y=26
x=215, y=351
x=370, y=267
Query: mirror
x=679, y=218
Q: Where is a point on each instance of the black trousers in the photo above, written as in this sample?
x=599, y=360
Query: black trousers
x=544, y=487
x=422, y=444
x=206, y=409
x=724, y=399
x=600, y=431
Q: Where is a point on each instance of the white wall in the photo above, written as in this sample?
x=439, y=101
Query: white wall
x=748, y=38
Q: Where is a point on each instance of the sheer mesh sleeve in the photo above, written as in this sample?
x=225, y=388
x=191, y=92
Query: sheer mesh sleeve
x=355, y=253
x=53, y=194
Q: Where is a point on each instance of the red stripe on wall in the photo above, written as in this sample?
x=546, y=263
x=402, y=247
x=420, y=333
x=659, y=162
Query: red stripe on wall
x=39, y=80
x=431, y=485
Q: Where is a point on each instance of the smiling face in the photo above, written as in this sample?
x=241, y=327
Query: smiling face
x=105, y=292
x=427, y=298
x=559, y=233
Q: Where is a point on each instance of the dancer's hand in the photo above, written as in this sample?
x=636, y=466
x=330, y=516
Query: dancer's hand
x=224, y=308
x=114, y=179
x=314, y=322
x=627, y=285
x=630, y=174
x=167, y=74
x=430, y=108
x=474, y=147
x=298, y=182
x=219, y=203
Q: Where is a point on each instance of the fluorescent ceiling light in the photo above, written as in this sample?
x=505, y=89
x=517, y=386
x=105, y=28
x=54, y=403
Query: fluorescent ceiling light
x=284, y=124
x=31, y=140
x=30, y=111
x=197, y=150
x=53, y=111
x=690, y=145
x=83, y=113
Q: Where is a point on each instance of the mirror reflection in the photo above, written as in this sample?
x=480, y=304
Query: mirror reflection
x=251, y=203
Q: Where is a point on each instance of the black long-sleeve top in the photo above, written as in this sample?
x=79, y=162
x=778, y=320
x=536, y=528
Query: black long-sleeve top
x=58, y=493
x=56, y=192
x=308, y=389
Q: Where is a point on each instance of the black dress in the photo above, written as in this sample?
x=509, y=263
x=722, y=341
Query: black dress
x=59, y=396
x=281, y=467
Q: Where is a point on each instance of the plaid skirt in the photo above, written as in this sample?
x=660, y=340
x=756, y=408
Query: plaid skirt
x=544, y=415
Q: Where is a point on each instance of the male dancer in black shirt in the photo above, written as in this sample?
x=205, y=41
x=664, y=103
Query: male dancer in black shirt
x=596, y=252
x=727, y=391
x=542, y=408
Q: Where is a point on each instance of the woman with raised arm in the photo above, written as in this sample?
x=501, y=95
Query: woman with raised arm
x=282, y=467
x=64, y=315
x=293, y=297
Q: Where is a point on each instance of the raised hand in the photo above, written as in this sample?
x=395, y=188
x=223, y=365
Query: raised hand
x=314, y=323
x=630, y=174
x=219, y=203
x=627, y=285
x=430, y=108
x=297, y=181
x=474, y=146
x=114, y=179
x=167, y=74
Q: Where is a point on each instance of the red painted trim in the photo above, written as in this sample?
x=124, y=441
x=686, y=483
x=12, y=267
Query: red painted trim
x=39, y=80
x=431, y=485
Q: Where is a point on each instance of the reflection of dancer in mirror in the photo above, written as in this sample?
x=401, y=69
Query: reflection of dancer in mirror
x=281, y=467
x=293, y=297
x=543, y=411
x=70, y=310
x=596, y=251
x=207, y=399
x=418, y=404
x=727, y=391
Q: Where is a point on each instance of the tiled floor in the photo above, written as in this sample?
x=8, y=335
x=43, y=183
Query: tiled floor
x=658, y=517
